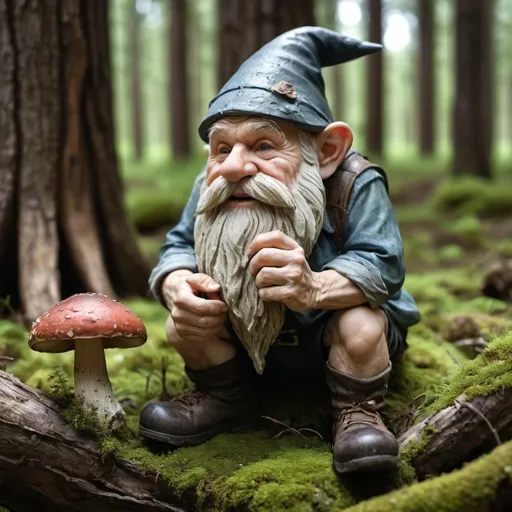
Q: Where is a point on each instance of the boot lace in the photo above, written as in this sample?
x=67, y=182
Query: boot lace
x=359, y=413
x=191, y=398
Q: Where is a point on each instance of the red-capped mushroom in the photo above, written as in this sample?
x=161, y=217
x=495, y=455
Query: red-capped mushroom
x=88, y=323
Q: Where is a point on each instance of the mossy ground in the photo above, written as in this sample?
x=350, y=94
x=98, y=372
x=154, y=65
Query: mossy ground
x=258, y=470
x=470, y=489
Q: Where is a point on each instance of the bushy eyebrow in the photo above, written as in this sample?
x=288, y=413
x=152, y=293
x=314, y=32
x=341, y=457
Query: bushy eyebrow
x=263, y=125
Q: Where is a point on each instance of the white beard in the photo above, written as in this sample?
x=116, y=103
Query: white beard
x=222, y=237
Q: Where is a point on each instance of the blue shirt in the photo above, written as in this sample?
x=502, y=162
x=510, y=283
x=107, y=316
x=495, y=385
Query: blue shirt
x=373, y=257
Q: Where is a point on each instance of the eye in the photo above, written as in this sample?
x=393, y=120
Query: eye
x=264, y=146
x=224, y=150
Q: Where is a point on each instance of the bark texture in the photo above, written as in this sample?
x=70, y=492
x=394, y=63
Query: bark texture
x=179, y=93
x=244, y=27
x=336, y=71
x=46, y=465
x=136, y=82
x=375, y=83
x=426, y=76
x=63, y=227
x=44, y=461
x=460, y=432
x=473, y=121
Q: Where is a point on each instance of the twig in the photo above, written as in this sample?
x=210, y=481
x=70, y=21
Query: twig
x=454, y=358
x=291, y=429
x=147, y=377
x=305, y=429
x=481, y=415
x=6, y=358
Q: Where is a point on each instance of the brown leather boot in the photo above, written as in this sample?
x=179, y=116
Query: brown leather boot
x=223, y=401
x=361, y=441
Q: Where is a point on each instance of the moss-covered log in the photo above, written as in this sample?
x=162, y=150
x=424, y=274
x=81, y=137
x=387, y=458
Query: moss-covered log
x=453, y=435
x=483, y=485
x=46, y=463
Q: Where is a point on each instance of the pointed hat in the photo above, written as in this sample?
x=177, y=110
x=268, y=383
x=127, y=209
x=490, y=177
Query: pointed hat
x=283, y=80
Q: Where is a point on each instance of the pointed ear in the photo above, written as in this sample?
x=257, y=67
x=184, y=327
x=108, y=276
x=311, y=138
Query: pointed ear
x=333, y=144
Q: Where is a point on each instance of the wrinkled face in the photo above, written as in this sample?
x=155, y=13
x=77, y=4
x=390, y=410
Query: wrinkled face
x=241, y=147
x=261, y=177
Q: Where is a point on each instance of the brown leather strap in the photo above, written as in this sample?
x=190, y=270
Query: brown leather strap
x=338, y=188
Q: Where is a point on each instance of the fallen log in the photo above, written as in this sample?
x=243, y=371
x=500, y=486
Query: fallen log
x=47, y=465
x=459, y=432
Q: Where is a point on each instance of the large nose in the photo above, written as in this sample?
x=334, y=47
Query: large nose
x=238, y=164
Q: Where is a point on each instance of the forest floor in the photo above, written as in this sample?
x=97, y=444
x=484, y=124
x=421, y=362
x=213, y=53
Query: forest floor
x=453, y=230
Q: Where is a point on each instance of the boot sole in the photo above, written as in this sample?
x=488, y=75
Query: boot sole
x=178, y=441
x=373, y=463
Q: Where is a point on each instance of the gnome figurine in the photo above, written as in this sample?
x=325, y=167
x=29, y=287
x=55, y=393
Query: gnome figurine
x=287, y=263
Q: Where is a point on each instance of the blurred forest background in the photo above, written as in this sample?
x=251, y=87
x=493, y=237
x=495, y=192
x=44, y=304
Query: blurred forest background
x=437, y=102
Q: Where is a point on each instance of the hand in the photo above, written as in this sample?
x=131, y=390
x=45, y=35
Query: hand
x=282, y=272
x=195, y=318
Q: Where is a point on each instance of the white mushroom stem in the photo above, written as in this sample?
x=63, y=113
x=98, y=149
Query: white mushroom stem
x=92, y=385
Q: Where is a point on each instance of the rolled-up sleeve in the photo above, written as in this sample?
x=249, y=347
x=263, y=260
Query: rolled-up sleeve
x=373, y=257
x=177, y=252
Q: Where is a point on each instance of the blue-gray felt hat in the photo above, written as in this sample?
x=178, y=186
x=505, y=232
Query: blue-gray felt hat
x=283, y=80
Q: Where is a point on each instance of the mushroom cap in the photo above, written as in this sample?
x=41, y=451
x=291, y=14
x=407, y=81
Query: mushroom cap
x=86, y=316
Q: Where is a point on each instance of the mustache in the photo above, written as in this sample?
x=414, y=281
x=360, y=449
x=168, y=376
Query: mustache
x=262, y=187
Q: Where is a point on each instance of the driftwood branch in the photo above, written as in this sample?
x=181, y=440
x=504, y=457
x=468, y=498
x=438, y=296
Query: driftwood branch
x=45, y=462
x=461, y=431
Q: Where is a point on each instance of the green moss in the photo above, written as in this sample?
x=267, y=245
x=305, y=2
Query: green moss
x=474, y=196
x=504, y=248
x=471, y=489
x=151, y=209
x=158, y=189
x=150, y=246
x=468, y=229
x=406, y=472
x=256, y=471
x=85, y=420
x=248, y=476
x=451, y=252
x=488, y=373
x=13, y=339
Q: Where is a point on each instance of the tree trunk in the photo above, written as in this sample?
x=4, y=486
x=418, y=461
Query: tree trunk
x=197, y=108
x=336, y=71
x=62, y=218
x=180, y=127
x=375, y=83
x=46, y=462
x=136, y=86
x=473, y=112
x=426, y=76
x=244, y=27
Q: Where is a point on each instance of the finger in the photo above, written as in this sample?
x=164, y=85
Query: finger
x=270, y=276
x=274, y=294
x=188, y=331
x=188, y=301
x=202, y=283
x=205, y=322
x=270, y=257
x=275, y=239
